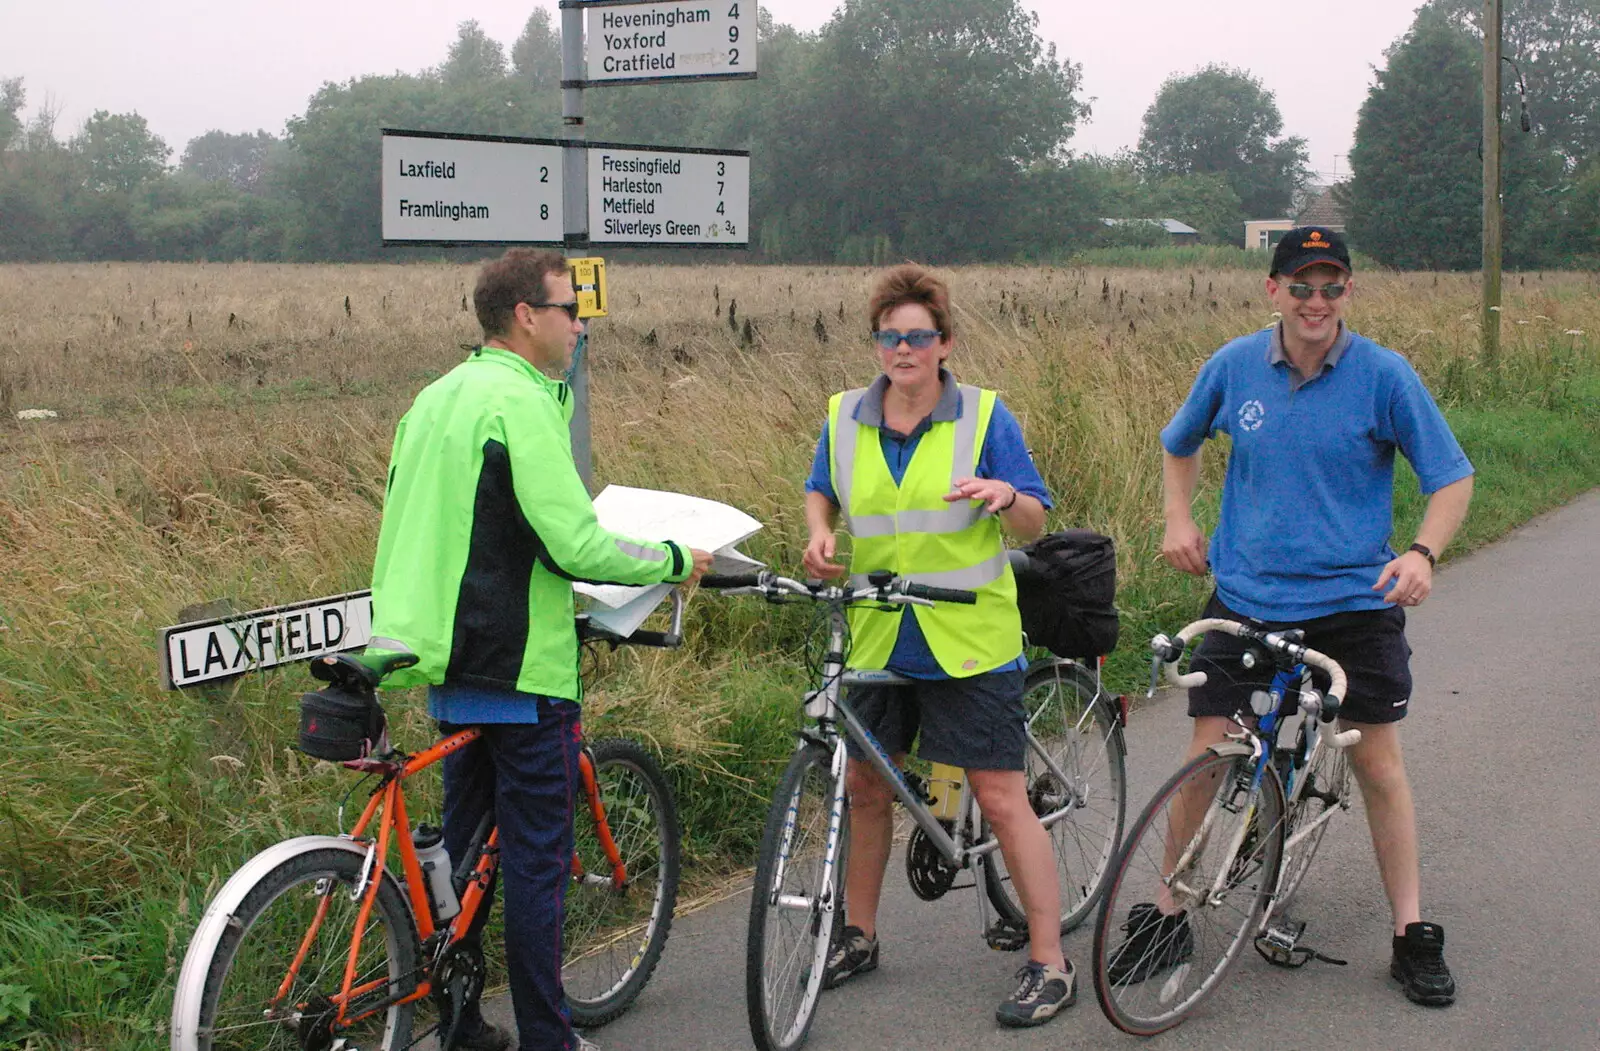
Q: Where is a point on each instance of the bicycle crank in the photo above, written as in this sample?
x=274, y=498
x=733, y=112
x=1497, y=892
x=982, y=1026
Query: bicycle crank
x=929, y=874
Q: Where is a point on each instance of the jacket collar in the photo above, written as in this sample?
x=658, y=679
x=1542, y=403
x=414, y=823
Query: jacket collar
x=869, y=410
x=558, y=390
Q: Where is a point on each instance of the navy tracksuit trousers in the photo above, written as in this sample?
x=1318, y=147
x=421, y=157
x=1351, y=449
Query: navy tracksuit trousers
x=527, y=773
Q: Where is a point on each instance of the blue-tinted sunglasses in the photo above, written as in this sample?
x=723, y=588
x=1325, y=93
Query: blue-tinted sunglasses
x=919, y=338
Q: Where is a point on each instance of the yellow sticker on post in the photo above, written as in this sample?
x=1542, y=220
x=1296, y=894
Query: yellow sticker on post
x=589, y=281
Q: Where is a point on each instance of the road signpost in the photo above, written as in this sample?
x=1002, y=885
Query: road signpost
x=647, y=43
x=448, y=189
x=656, y=196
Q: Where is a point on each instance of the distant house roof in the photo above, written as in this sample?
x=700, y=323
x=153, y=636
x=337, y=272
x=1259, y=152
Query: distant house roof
x=1171, y=226
x=1324, y=209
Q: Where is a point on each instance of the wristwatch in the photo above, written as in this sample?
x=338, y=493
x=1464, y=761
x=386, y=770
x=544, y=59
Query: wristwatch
x=1422, y=550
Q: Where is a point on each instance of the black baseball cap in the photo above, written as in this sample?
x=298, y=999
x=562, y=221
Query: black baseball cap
x=1307, y=246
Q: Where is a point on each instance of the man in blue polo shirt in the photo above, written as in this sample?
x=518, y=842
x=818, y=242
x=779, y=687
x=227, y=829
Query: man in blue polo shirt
x=1315, y=414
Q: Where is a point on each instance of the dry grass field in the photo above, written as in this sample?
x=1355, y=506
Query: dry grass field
x=222, y=431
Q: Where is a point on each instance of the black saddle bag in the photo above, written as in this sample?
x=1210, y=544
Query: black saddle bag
x=341, y=722
x=1066, y=591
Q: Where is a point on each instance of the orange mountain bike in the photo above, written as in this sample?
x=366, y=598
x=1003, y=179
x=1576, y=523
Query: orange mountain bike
x=324, y=942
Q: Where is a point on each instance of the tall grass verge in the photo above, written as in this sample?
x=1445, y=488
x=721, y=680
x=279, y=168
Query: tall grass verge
x=198, y=457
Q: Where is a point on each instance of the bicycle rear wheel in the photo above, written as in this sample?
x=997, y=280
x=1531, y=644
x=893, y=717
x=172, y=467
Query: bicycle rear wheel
x=614, y=933
x=1075, y=725
x=302, y=910
x=1326, y=785
x=1166, y=963
x=797, y=900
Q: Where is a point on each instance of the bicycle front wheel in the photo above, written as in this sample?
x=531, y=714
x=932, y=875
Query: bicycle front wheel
x=619, y=914
x=796, y=902
x=1326, y=784
x=1071, y=722
x=1185, y=899
x=275, y=977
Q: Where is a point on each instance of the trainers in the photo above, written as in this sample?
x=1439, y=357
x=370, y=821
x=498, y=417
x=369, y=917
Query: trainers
x=1042, y=992
x=485, y=1036
x=585, y=1044
x=1154, y=943
x=854, y=954
x=1418, y=965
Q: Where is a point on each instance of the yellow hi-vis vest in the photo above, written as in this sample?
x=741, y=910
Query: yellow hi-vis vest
x=910, y=530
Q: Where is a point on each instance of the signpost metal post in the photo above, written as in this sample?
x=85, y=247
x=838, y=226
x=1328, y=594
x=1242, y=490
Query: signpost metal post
x=575, y=172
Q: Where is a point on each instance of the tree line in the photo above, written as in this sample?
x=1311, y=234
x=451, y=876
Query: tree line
x=935, y=129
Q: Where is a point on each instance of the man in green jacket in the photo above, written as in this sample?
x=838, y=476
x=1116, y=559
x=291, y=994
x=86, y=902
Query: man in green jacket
x=486, y=524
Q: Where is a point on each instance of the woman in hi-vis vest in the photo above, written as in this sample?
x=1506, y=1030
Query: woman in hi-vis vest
x=929, y=474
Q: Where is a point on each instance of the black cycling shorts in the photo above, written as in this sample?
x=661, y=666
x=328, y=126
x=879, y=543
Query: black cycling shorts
x=977, y=723
x=1369, y=644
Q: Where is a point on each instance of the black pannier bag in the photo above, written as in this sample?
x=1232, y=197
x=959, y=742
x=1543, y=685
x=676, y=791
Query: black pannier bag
x=341, y=722
x=1066, y=591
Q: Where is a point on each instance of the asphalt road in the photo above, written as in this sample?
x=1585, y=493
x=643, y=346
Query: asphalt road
x=1503, y=747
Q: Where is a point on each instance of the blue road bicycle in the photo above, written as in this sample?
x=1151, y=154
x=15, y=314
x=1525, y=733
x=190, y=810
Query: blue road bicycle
x=1215, y=859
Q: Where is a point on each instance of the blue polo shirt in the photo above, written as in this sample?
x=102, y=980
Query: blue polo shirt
x=1308, y=500
x=1004, y=456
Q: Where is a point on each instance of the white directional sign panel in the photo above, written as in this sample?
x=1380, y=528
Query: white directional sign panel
x=650, y=196
x=448, y=189
x=631, y=42
x=207, y=650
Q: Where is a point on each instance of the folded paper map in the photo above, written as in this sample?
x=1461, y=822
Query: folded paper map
x=650, y=514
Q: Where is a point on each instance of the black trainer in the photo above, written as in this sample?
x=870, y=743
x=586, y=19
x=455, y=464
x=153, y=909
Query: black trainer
x=854, y=954
x=1043, y=990
x=485, y=1036
x=1154, y=943
x=1419, y=967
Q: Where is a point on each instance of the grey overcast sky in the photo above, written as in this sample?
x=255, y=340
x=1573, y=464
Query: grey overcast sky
x=189, y=66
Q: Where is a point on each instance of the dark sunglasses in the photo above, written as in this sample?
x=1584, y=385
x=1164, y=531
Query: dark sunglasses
x=1301, y=290
x=571, y=308
x=920, y=338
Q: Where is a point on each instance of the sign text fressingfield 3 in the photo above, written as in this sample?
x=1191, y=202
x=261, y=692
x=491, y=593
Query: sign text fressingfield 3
x=208, y=650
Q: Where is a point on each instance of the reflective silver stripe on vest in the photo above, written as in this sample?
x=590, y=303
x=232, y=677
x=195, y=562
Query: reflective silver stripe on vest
x=639, y=551
x=964, y=463
x=969, y=579
x=844, y=448
x=388, y=644
x=953, y=519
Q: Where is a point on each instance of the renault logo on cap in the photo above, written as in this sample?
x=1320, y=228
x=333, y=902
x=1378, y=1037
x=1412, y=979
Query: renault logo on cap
x=1315, y=242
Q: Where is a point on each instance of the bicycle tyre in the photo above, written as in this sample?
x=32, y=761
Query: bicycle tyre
x=238, y=975
x=613, y=938
x=1327, y=785
x=1149, y=994
x=1085, y=740
x=794, y=895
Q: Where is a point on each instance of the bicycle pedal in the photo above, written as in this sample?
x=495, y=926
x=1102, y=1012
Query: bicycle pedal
x=1002, y=937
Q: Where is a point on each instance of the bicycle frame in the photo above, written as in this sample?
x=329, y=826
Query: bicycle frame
x=1259, y=738
x=387, y=807
x=827, y=707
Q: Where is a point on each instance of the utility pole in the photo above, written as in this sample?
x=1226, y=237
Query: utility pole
x=1492, y=12
x=575, y=207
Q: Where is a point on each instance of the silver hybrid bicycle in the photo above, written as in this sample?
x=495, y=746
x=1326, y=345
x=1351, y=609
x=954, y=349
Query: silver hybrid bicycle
x=1217, y=856
x=1076, y=783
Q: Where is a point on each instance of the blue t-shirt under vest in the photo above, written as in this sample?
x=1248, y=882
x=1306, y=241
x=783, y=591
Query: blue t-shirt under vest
x=1308, y=501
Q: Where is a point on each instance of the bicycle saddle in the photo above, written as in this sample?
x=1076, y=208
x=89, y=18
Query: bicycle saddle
x=352, y=672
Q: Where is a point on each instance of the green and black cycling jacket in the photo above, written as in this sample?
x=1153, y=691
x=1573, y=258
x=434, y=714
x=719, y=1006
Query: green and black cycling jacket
x=485, y=525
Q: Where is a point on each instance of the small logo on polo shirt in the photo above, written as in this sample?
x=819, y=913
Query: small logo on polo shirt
x=1252, y=414
x=969, y=665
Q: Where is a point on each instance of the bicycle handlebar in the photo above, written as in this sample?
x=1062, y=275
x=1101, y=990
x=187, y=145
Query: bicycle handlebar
x=891, y=590
x=1168, y=651
x=670, y=639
